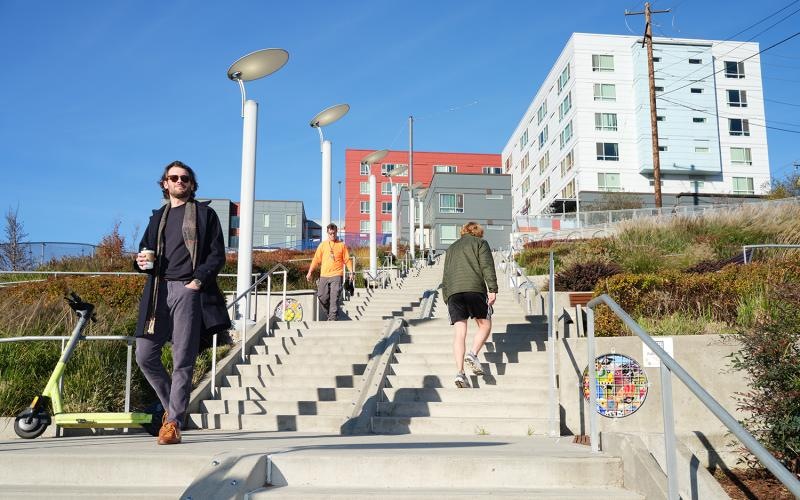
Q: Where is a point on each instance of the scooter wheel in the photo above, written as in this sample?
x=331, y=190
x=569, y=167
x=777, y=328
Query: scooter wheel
x=29, y=427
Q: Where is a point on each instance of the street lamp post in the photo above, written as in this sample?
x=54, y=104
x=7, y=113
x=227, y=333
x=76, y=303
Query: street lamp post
x=323, y=118
x=395, y=233
x=253, y=66
x=371, y=158
x=339, y=204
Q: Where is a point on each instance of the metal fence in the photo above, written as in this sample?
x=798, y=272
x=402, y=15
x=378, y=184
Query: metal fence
x=37, y=253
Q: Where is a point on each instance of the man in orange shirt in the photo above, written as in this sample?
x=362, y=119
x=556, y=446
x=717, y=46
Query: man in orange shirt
x=332, y=256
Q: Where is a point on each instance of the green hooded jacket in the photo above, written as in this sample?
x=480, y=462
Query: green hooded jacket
x=468, y=267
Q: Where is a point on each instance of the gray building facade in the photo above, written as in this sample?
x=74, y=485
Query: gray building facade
x=276, y=223
x=454, y=199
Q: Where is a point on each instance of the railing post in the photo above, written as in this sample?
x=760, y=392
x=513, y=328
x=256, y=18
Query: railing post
x=214, y=366
x=128, y=378
x=552, y=345
x=669, y=433
x=269, y=295
x=283, y=309
x=591, y=372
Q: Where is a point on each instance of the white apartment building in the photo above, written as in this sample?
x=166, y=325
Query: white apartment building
x=587, y=130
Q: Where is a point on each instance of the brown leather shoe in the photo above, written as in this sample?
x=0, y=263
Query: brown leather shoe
x=169, y=433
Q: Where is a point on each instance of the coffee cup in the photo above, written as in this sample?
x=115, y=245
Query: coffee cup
x=150, y=255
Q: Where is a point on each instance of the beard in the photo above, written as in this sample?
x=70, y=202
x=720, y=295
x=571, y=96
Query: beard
x=180, y=194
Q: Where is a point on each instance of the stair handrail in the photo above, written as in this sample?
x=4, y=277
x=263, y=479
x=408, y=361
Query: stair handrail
x=522, y=287
x=748, y=249
x=669, y=367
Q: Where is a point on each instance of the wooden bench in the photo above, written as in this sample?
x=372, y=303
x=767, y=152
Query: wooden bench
x=580, y=298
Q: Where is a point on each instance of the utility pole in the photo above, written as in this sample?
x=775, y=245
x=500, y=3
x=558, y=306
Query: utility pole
x=648, y=41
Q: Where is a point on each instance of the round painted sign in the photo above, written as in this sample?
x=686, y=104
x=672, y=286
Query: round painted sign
x=621, y=385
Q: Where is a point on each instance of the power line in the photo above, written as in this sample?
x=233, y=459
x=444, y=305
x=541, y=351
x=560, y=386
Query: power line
x=727, y=117
x=781, y=102
x=723, y=68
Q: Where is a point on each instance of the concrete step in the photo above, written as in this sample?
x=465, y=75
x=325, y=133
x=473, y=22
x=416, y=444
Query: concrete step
x=406, y=468
x=288, y=394
x=526, y=370
x=311, y=407
x=461, y=426
x=300, y=357
x=140, y=492
x=312, y=349
x=289, y=422
x=326, y=325
x=488, y=357
x=453, y=409
x=279, y=381
x=434, y=380
x=300, y=370
x=435, y=346
x=346, y=493
x=493, y=395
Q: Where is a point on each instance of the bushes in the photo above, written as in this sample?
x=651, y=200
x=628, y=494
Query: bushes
x=583, y=277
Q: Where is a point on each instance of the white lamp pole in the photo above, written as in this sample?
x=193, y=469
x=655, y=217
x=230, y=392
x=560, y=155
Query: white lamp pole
x=323, y=118
x=394, y=220
x=410, y=186
x=250, y=67
x=373, y=246
x=421, y=227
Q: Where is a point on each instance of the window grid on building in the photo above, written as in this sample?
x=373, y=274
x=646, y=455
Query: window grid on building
x=607, y=151
x=602, y=62
x=608, y=181
x=451, y=203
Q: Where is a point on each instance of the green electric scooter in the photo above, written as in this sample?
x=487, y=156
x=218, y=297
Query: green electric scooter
x=33, y=421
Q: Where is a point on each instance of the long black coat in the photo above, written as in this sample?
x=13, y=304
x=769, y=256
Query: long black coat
x=209, y=262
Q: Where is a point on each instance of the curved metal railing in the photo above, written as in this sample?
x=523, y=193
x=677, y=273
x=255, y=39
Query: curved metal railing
x=671, y=367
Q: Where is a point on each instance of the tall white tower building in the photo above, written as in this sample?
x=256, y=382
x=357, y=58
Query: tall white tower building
x=587, y=130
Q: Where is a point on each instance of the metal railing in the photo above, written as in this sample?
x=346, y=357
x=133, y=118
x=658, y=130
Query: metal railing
x=64, y=338
x=671, y=367
x=745, y=249
x=518, y=281
x=84, y=273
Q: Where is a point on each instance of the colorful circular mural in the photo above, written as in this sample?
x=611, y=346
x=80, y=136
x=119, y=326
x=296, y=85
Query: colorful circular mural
x=621, y=385
x=293, y=311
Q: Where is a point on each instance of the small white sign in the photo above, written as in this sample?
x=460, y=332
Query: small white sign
x=650, y=358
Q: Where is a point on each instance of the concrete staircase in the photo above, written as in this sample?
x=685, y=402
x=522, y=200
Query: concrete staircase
x=304, y=376
x=420, y=396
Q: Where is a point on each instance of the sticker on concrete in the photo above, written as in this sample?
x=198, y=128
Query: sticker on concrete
x=650, y=358
x=621, y=385
x=293, y=311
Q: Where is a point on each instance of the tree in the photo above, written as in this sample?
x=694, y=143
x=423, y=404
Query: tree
x=615, y=200
x=112, y=245
x=14, y=252
x=787, y=187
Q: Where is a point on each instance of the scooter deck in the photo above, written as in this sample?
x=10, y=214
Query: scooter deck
x=101, y=420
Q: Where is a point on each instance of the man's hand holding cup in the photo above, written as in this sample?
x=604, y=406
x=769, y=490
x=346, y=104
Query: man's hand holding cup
x=146, y=259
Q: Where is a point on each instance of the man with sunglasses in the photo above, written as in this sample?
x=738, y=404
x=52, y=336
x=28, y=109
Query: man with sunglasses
x=332, y=257
x=181, y=300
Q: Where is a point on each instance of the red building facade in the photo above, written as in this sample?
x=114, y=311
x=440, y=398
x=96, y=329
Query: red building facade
x=356, y=211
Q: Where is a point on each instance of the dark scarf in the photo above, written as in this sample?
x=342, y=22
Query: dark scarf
x=189, y=230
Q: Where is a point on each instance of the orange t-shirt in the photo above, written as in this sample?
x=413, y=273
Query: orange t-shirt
x=332, y=256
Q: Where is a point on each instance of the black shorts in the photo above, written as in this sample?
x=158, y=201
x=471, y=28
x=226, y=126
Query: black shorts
x=465, y=305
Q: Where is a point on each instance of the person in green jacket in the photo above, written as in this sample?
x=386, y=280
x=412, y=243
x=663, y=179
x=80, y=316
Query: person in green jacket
x=469, y=288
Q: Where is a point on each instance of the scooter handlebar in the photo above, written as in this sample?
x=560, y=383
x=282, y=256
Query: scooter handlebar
x=78, y=305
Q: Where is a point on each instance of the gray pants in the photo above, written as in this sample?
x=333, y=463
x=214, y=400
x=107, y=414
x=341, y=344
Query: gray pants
x=328, y=291
x=178, y=317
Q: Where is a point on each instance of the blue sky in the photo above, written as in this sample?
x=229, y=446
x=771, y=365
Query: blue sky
x=97, y=96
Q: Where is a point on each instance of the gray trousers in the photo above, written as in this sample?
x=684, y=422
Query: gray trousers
x=328, y=292
x=178, y=317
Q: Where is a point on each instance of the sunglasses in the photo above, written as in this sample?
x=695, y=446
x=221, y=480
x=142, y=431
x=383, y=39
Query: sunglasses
x=184, y=178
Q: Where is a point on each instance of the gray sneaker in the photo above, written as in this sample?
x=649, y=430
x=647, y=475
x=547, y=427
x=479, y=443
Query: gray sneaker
x=461, y=381
x=474, y=363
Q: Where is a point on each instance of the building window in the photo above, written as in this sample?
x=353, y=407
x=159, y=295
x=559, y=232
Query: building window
x=737, y=98
x=291, y=220
x=741, y=155
x=606, y=121
x=743, y=185
x=569, y=190
x=363, y=226
x=701, y=146
x=608, y=182
x=565, y=106
x=523, y=140
x=602, y=62
x=289, y=241
x=526, y=185
x=448, y=233
x=541, y=113
x=567, y=163
x=544, y=161
x=698, y=120
x=386, y=227
x=364, y=169
x=492, y=170
x=739, y=126
x=607, y=151
x=523, y=164
x=695, y=61
x=363, y=187
x=234, y=221
x=544, y=189
x=364, y=207
x=266, y=220
x=734, y=69
x=386, y=207
x=695, y=90
x=386, y=188
x=543, y=137
x=658, y=88
x=563, y=79
x=662, y=148
x=389, y=169
x=265, y=240
x=451, y=169
x=659, y=118
x=508, y=163
x=566, y=134
x=605, y=92
x=450, y=203
x=656, y=59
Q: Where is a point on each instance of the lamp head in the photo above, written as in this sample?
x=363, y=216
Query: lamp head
x=329, y=115
x=258, y=64
x=375, y=156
